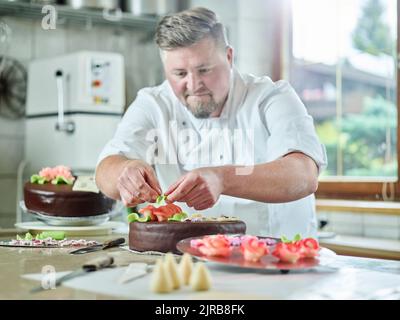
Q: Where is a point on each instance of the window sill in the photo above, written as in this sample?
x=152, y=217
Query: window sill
x=363, y=247
x=374, y=207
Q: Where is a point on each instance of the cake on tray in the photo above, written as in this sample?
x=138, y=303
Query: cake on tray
x=52, y=192
x=160, y=228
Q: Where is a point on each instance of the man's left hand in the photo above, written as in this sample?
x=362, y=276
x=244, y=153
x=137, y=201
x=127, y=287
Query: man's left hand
x=199, y=188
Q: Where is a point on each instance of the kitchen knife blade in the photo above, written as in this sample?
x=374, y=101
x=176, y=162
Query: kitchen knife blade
x=134, y=271
x=97, y=247
x=90, y=266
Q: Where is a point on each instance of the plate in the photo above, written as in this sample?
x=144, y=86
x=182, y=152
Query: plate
x=9, y=243
x=69, y=221
x=267, y=262
x=106, y=228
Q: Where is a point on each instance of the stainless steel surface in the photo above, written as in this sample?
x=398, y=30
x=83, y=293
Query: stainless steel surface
x=150, y=7
x=94, y=4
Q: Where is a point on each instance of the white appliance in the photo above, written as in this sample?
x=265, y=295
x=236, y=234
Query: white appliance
x=74, y=104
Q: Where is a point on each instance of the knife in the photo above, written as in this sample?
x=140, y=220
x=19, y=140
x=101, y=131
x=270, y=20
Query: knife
x=90, y=266
x=97, y=247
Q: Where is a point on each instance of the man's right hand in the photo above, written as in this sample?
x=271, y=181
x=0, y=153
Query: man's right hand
x=137, y=183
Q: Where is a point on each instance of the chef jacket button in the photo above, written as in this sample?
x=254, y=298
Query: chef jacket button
x=184, y=123
x=221, y=156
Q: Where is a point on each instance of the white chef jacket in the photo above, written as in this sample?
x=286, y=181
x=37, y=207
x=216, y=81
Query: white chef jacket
x=260, y=122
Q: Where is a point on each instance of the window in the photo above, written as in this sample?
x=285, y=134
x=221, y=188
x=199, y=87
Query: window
x=342, y=63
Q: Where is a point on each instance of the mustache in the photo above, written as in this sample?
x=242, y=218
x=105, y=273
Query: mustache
x=198, y=93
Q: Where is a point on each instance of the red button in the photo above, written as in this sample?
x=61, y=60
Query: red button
x=96, y=83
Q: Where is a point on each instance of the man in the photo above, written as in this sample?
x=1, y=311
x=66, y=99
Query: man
x=215, y=140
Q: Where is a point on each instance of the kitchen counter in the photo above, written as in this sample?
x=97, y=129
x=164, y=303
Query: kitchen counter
x=15, y=262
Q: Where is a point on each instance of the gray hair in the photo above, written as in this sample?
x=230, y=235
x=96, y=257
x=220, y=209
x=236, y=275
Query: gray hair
x=186, y=28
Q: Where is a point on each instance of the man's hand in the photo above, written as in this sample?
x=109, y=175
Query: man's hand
x=137, y=183
x=199, y=188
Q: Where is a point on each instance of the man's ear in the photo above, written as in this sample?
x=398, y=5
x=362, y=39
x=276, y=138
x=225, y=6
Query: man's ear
x=229, y=55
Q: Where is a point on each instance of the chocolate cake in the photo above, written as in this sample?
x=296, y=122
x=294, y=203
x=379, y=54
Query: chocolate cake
x=61, y=200
x=163, y=236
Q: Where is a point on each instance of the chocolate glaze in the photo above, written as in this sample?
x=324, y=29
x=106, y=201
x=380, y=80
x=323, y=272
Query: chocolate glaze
x=163, y=236
x=60, y=200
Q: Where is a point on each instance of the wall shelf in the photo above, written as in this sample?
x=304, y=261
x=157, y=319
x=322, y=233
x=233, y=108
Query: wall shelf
x=34, y=11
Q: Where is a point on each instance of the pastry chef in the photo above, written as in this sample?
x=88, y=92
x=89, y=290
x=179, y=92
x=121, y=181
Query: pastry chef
x=214, y=140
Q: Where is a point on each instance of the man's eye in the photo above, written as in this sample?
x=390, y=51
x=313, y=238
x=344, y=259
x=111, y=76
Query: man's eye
x=204, y=70
x=180, y=74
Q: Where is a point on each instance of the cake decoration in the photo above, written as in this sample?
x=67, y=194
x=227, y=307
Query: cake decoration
x=163, y=211
x=172, y=269
x=185, y=268
x=56, y=235
x=47, y=239
x=200, y=279
x=56, y=175
x=254, y=248
x=215, y=245
x=160, y=226
x=52, y=193
x=161, y=280
x=85, y=183
x=293, y=250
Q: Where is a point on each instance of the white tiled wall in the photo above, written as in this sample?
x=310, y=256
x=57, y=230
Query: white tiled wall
x=362, y=224
x=29, y=41
x=251, y=26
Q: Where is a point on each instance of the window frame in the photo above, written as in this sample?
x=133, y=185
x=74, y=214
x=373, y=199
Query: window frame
x=340, y=187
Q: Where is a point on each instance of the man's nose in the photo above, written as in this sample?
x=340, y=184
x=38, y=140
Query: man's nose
x=193, y=83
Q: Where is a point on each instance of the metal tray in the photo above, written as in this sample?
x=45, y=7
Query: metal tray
x=267, y=262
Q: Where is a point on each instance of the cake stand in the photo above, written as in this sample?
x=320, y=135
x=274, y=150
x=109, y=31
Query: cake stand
x=69, y=221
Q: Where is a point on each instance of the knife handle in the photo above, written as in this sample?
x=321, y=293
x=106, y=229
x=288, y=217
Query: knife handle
x=98, y=263
x=113, y=243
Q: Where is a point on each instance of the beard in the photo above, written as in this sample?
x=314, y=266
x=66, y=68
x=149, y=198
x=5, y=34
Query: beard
x=203, y=110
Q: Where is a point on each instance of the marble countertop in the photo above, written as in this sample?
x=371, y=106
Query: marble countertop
x=17, y=262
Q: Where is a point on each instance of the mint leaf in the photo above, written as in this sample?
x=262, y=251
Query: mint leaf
x=297, y=237
x=132, y=217
x=35, y=178
x=28, y=236
x=284, y=239
x=61, y=180
x=178, y=217
x=161, y=199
